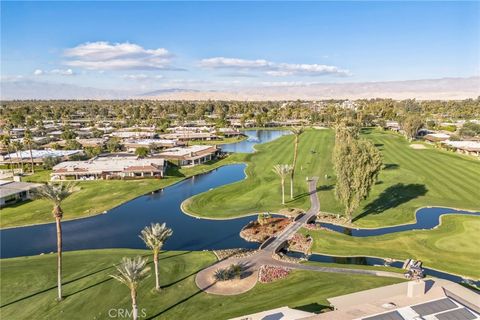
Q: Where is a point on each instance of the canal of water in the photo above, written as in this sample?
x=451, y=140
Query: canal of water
x=120, y=227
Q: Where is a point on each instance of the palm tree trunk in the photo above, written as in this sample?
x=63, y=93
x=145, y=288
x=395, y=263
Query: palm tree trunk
x=283, y=191
x=59, y=257
x=155, y=262
x=133, y=294
x=31, y=157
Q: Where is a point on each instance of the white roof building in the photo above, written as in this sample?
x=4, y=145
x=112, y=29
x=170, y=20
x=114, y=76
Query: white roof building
x=109, y=167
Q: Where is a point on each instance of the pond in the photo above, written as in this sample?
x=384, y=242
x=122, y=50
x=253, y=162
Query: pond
x=120, y=227
x=253, y=137
x=426, y=218
x=372, y=261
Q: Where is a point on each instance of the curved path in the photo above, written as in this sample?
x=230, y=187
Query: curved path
x=264, y=256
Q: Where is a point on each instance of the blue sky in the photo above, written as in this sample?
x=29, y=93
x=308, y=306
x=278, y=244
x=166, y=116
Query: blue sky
x=213, y=45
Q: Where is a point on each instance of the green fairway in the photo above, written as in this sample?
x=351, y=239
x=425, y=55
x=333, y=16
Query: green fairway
x=261, y=191
x=452, y=247
x=94, y=197
x=28, y=288
x=410, y=179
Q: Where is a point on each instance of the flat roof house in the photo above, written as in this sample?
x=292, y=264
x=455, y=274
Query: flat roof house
x=190, y=156
x=12, y=192
x=109, y=168
x=133, y=134
x=132, y=145
x=38, y=155
x=187, y=135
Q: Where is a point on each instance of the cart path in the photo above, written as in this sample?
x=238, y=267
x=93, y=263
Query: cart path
x=264, y=256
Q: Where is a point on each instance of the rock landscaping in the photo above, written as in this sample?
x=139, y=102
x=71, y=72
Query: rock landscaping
x=233, y=253
x=263, y=228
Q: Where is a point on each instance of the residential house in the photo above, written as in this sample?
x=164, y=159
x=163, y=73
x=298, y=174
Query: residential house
x=38, y=156
x=191, y=155
x=132, y=145
x=121, y=167
x=13, y=191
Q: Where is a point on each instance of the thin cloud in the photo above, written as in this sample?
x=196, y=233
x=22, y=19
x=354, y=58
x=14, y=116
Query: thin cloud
x=103, y=55
x=272, y=68
x=141, y=77
x=62, y=72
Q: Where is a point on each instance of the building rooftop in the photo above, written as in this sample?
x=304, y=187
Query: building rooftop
x=25, y=154
x=185, y=151
x=440, y=300
x=109, y=164
x=8, y=188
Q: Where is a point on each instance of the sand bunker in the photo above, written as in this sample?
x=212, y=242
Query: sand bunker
x=417, y=146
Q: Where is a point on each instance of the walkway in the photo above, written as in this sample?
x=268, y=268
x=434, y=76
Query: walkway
x=205, y=279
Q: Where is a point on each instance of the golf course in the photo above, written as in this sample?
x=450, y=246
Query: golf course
x=410, y=179
x=29, y=287
x=451, y=247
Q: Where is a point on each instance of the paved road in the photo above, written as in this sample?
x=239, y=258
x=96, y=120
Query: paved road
x=264, y=256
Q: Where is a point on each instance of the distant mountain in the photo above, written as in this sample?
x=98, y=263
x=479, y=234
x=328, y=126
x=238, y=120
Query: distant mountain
x=28, y=89
x=442, y=89
x=166, y=91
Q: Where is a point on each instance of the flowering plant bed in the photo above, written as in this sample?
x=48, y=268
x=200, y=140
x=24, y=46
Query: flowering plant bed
x=272, y=273
x=262, y=229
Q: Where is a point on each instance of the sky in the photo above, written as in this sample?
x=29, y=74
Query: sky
x=226, y=45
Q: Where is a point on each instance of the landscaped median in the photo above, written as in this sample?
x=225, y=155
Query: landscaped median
x=451, y=247
x=28, y=288
x=95, y=197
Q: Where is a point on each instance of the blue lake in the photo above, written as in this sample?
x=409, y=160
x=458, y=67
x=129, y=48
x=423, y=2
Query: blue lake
x=120, y=227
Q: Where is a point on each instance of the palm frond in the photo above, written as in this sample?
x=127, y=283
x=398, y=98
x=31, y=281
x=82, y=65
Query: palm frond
x=155, y=235
x=131, y=271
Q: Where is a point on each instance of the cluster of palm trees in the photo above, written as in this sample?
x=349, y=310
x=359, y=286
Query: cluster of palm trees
x=17, y=147
x=285, y=170
x=131, y=271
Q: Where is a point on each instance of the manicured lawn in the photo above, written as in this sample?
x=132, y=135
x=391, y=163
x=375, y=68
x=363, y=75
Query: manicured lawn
x=261, y=191
x=28, y=288
x=452, y=247
x=411, y=179
x=94, y=197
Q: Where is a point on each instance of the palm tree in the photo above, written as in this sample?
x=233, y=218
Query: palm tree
x=297, y=132
x=56, y=193
x=7, y=143
x=282, y=171
x=28, y=141
x=131, y=273
x=154, y=237
x=17, y=146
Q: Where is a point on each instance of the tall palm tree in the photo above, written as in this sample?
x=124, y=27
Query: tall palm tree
x=56, y=193
x=17, y=146
x=7, y=143
x=297, y=132
x=131, y=273
x=154, y=237
x=282, y=170
x=28, y=141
